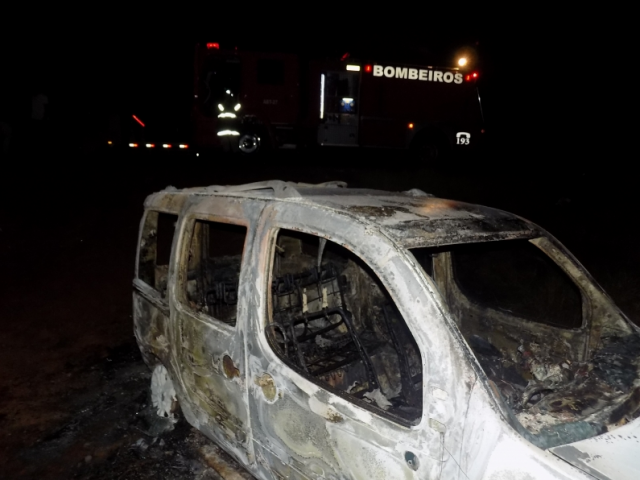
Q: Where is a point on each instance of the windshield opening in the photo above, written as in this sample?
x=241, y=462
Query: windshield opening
x=517, y=278
x=528, y=324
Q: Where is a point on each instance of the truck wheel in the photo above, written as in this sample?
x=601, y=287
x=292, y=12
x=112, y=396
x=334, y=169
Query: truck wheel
x=249, y=143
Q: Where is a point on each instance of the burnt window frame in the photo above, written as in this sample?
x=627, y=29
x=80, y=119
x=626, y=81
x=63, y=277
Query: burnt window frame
x=186, y=235
x=268, y=321
x=555, y=252
x=139, y=255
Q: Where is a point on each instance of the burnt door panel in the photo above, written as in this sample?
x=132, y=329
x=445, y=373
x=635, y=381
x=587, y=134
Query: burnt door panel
x=336, y=384
x=211, y=343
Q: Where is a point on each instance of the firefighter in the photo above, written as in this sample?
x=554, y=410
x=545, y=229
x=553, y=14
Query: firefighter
x=228, y=121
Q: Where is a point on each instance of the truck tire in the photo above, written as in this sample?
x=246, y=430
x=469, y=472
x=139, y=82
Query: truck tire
x=249, y=143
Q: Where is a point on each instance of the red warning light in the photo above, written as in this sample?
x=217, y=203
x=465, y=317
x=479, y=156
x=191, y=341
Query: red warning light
x=344, y=57
x=137, y=120
x=368, y=68
x=215, y=46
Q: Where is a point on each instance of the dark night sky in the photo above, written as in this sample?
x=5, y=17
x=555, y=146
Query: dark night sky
x=544, y=72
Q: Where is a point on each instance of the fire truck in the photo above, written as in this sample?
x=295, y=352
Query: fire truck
x=248, y=101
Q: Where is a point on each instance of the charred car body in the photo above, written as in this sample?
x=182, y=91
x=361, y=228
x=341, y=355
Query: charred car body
x=316, y=331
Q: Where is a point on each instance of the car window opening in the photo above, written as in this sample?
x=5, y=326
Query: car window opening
x=333, y=321
x=213, y=270
x=155, y=249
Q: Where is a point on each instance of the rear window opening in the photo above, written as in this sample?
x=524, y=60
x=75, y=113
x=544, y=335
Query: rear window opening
x=526, y=321
x=155, y=249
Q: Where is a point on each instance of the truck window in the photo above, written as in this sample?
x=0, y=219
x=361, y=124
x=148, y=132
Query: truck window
x=213, y=269
x=216, y=77
x=332, y=320
x=341, y=93
x=155, y=249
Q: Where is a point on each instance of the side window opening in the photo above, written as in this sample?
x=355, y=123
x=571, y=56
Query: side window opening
x=333, y=321
x=213, y=269
x=155, y=249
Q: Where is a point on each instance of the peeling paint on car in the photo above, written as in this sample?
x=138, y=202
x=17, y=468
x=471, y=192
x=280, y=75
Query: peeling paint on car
x=265, y=382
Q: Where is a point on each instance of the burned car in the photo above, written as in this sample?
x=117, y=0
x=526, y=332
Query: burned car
x=316, y=331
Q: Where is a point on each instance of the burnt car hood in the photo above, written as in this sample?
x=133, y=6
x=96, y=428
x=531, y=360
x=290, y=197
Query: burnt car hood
x=610, y=456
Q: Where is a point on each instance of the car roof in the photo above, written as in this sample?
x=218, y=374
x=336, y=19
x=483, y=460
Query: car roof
x=412, y=218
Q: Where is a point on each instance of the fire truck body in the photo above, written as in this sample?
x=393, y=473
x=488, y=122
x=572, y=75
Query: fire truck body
x=253, y=100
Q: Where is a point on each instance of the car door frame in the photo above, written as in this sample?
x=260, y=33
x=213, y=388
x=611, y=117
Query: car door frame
x=434, y=440
x=224, y=418
x=153, y=322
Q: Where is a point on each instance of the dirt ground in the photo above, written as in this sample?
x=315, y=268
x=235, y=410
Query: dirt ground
x=74, y=400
